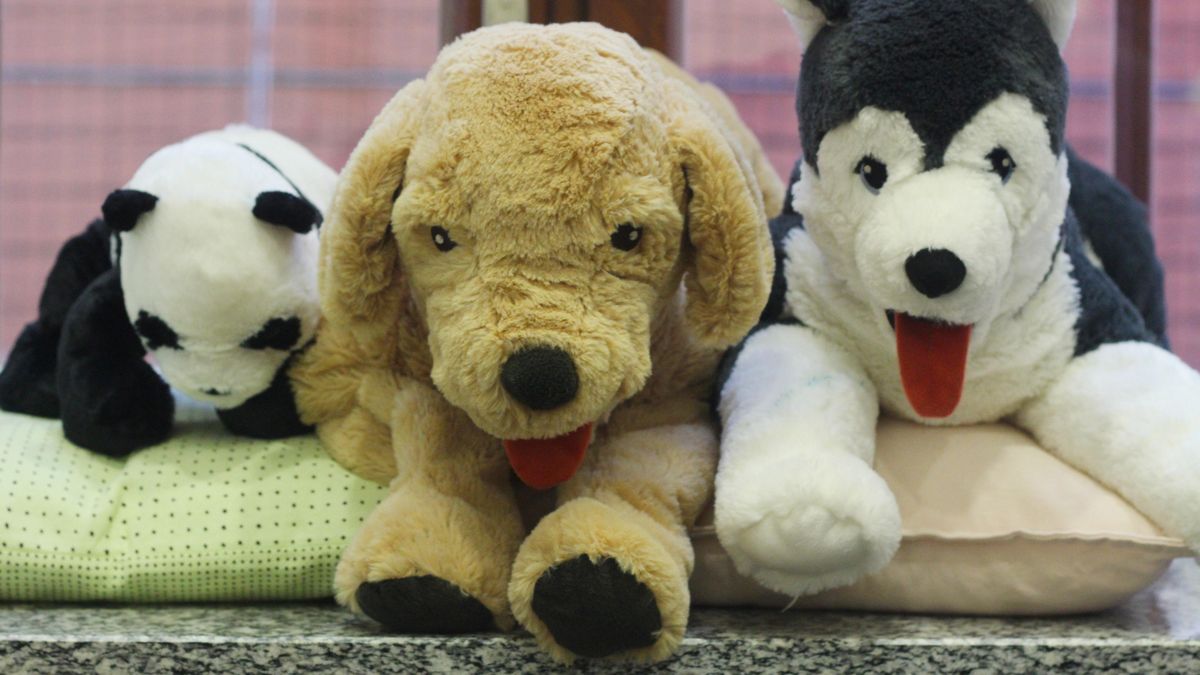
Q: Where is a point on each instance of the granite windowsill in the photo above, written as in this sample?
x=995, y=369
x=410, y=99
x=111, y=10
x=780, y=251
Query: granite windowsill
x=1157, y=630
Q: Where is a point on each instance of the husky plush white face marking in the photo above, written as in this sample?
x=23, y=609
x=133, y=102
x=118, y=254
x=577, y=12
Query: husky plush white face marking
x=950, y=247
x=995, y=205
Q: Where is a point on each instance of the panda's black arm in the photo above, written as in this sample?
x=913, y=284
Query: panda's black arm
x=112, y=400
x=1115, y=223
x=27, y=380
x=269, y=414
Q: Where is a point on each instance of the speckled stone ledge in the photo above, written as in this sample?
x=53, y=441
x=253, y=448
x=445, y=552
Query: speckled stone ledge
x=1157, y=631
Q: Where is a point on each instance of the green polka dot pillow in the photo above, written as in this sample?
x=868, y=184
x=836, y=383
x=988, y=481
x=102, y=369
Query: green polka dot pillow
x=204, y=516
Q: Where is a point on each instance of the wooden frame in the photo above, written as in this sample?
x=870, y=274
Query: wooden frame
x=459, y=16
x=1133, y=95
x=653, y=23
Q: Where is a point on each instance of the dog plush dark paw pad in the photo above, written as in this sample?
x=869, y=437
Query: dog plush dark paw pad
x=424, y=604
x=596, y=609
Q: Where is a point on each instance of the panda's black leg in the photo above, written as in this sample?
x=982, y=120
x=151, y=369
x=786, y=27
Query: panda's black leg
x=27, y=381
x=112, y=400
x=269, y=414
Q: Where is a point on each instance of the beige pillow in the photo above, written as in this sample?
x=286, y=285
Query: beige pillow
x=992, y=524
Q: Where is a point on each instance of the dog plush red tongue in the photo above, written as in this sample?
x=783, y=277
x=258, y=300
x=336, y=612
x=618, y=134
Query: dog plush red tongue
x=542, y=463
x=933, y=363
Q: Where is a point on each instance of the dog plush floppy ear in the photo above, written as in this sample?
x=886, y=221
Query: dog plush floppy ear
x=360, y=265
x=731, y=258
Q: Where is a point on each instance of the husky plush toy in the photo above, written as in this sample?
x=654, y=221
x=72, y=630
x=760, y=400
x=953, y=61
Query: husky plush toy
x=208, y=260
x=944, y=256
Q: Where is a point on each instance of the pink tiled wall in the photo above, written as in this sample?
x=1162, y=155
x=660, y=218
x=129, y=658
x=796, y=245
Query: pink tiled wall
x=88, y=88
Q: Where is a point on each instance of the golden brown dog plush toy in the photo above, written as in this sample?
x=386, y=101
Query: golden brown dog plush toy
x=533, y=259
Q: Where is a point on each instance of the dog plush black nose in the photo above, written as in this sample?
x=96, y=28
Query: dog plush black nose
x=935, y=271
x=543, y=378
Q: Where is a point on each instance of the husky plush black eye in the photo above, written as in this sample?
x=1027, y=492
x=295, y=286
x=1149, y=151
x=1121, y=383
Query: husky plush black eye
x=626, y=237
x=873, y=173
x=281, y=334
x=441, y=238
x=1002, y=163
x=155, y=332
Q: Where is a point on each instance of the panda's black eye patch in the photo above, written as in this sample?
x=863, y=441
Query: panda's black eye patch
x=873, y=172
x=1002, y=164
x=281, y=334
x=155, y=331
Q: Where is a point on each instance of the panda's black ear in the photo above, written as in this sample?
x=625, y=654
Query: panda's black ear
x=291, y=211
x=122, y=208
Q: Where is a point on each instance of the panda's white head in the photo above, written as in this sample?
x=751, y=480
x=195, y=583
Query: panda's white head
x=935, y=174
x=217, y=251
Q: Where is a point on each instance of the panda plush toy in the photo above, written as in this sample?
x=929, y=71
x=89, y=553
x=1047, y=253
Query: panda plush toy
x=207, y=259
x=943, y=256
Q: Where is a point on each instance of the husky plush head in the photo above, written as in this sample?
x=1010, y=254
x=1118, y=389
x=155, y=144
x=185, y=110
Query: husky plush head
x=934, y=178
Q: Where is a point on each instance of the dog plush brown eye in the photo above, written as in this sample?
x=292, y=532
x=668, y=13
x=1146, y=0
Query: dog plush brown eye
x=627, y=237
x=441, y=238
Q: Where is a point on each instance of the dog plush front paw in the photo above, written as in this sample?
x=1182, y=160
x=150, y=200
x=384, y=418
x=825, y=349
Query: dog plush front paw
x=423, y=604
x=596, y=609
x=825, y=521
x=597, y=580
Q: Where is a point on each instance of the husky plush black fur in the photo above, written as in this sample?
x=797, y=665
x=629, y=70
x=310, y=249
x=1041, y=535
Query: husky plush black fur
x=945, y=257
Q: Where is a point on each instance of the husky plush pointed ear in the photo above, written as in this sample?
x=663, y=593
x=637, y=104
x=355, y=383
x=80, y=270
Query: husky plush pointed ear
x=731, y=257
x=808, y=17
x=360, y=278
x=1059, y=16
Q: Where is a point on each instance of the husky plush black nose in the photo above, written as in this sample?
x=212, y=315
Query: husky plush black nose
x=543, y=378
x=935, y=271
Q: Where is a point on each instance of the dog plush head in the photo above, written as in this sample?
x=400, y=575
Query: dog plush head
x=534, y=204
x=934, y=176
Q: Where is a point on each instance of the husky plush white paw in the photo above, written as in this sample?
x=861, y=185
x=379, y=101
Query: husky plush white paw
x=795, y=528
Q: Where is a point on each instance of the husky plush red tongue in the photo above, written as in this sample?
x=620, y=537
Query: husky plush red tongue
x=933, y=363
x=542, y=463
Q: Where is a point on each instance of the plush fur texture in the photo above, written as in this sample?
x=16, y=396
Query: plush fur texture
x=978, y=171
x=27, y=382
x=112, y=401
x=214, y=265
x=476, y=220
